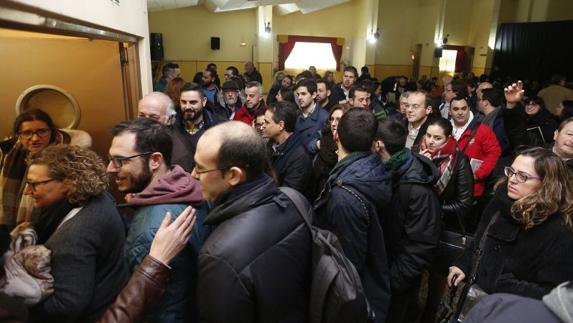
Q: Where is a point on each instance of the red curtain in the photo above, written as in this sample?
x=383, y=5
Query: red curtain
x=284, y=51
x=461, y=60
x=285, y=48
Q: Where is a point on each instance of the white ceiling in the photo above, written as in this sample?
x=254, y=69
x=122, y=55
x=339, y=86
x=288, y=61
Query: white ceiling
x=284, y=7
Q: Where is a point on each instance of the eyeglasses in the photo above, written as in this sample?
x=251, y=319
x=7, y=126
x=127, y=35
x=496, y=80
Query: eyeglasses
x=199, y=172
x=118, y=161
x=42, y=133
x=520, y=176
x=34, y=185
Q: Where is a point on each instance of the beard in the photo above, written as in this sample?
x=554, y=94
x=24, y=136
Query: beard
x=140, y=181
x=192, y=115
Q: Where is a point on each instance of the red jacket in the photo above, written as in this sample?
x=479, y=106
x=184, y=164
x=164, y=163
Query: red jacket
x=483, y=146
x=245, y=116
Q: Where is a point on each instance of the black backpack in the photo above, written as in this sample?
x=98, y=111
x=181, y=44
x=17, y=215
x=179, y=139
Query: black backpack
x=336, y=294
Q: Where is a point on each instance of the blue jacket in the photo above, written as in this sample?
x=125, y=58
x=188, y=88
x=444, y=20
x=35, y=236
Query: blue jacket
x=350, y=205
x=309, y=129
x=178, y=302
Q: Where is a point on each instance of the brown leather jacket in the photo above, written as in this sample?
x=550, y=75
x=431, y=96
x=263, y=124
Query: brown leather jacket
x=143, y=290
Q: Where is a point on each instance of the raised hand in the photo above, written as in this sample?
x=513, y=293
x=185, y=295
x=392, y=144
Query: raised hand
x=514, y=93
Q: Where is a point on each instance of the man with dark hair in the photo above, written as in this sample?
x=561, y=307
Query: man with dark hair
x=291, y=162
x=210, y=88
x=256, y=265
x=232, y=74
x=168, y=72
x=352, y=201
x=341, y=91
x=490, y=106
x=158, y=106
x=140, y=162
x=563, y=146
x=412, y=226
x=323, y=91
x=364, y=74
x=311, y=118
x=555, y=93
x=198, y=115
x=253, y=102
x=251, y=74
x=455, y=87
x=476, y=140
x=359, y=97
x=418, y=111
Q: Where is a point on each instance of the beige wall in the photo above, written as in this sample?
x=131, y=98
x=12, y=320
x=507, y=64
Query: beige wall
x=187, y=34
x=88, y=70
x=129, y=17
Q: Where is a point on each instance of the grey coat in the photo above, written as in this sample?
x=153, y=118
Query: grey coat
x=87, y=264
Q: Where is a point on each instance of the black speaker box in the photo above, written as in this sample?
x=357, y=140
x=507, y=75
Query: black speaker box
x=438, y=52
x=215, y=43
x=156, y=43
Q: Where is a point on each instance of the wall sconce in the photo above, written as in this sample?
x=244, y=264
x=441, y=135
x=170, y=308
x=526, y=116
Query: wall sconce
x=374, y=36
x=268, y=27
x=443, y=41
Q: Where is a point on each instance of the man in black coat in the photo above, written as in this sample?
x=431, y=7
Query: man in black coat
x=291, y=162
x=256, y=264
x=412, y=229
x=353, y=199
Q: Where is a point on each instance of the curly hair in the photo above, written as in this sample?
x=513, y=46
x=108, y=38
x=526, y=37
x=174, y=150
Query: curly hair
x=82, y=169
x=554, y=196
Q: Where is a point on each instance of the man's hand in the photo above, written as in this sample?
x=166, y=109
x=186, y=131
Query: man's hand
x=171, y=238
x=514, y=94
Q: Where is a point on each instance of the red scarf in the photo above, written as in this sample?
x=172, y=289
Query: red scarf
x=444, y=159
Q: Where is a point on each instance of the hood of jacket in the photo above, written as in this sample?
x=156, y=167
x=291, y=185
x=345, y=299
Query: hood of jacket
x=366, y=175
x=418, y=170
x=175, y=187
x=560, y=301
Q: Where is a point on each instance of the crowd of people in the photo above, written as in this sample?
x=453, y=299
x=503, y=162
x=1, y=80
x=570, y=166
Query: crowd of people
x=203, y=232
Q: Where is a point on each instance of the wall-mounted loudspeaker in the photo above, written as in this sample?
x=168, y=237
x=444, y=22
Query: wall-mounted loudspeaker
x=156, y=43
x=438, y=52
x=215, y=43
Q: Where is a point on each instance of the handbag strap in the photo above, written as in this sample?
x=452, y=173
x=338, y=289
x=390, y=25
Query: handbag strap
x=479, y=250
x=472, y=135
x=478, y=255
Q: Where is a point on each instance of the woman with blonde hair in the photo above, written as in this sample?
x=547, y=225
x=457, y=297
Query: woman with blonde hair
x=80, y=224
x=527, y=246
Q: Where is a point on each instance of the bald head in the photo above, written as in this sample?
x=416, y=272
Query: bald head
x=235, y=144
x=157, y=106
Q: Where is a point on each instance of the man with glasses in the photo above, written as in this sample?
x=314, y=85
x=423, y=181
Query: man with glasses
x=417, y=113
x=255, y=266
x=140, y=162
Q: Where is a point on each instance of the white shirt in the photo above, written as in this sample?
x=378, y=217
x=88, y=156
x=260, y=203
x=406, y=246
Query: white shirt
x=457, y=132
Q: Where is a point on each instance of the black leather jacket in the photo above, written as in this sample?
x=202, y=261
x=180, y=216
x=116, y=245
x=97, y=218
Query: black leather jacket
x=457, y=197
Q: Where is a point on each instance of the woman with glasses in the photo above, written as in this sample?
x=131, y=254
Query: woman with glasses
x=541, y=124
x=528, y=244
x=33, y=131
x=79, y=223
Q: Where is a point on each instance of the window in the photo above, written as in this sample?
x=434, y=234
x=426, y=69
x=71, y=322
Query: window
x=448, y=61
x=305, y=54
